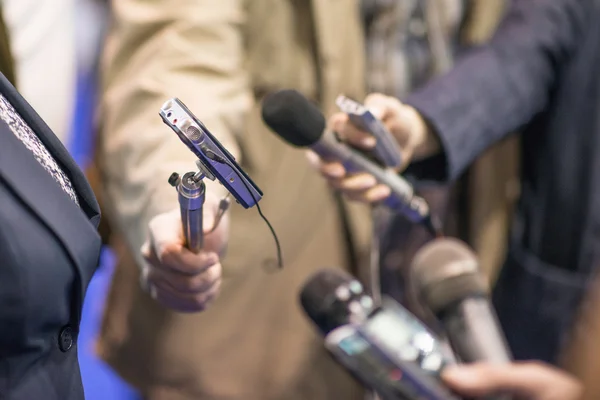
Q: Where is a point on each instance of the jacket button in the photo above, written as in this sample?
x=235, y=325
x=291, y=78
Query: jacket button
x=65, y=339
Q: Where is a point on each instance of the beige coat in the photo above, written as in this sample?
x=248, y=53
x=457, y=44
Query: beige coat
x=221, y=57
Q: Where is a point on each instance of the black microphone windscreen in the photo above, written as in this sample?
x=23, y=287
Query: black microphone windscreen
x=326, y=297
x=445, y=272
x=289, y=114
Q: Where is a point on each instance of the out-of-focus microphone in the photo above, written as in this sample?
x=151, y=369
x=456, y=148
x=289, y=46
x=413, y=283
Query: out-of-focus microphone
x=300, y=123
x=386, y=348
x=449, y=281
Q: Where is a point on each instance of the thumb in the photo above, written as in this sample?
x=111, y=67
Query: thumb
x=215, y=224
x=165, y=231
x=529, y=380
x=209, y=216
x=382, y=106
x=213, y=211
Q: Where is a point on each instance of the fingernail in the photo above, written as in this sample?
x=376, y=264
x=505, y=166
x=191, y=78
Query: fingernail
x=368, y=141
x=145, y=249
x=313, y=159
x=456, y=373
x=376, y=111
x=383, y=191
x=370, y=181
x=336, y=172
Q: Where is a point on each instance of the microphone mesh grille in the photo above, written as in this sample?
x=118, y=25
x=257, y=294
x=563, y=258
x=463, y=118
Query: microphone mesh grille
x=193, y=133
x=291, y=116
x=446, y=271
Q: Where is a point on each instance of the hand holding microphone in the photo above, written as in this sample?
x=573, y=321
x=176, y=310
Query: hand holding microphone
x=175, y=276
x=300, y=123
x=414, y=138
x=183, y=268
x=450, y=284
x=525, y=380
x=385, y=347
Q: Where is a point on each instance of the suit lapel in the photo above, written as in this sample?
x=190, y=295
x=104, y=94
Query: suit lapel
x=55, y=147
x=75, y=228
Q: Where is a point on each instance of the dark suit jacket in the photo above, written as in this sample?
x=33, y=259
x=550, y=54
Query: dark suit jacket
x=540, y=71
x=49, y=249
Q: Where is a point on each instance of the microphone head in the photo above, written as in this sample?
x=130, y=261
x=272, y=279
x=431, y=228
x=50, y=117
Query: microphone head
x=295, y=119
x=332, y=298
x=446, y=272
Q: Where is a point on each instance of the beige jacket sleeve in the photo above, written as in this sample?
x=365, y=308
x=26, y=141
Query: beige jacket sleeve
x=156, y=50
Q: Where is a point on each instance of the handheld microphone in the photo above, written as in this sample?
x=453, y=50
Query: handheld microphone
x=386, y=151
x=300, y=123
x=214, y=162
x=386, y=348
x=449, y=281
x=191, y=191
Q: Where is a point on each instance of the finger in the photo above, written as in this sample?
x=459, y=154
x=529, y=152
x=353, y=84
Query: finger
x=186, y=302
x=370, y=196
x=357, y=182
x=374, y=195
x=332, y=170
x=356, y=137
x=381, y=106
x=146, y=249
x=351, y=134
x=529, y=380
x=187, y=263
x=179, y=259
x=313, y=159
x=166, y=232
x=181, y=283
x=478, y=380
x=164, y=286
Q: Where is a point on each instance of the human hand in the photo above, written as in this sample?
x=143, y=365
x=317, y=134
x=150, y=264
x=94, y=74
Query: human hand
x=173, y=275
x=410, y=130
x=525, y=380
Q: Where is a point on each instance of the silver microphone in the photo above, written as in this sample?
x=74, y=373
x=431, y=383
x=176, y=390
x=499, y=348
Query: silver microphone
x=191, y=192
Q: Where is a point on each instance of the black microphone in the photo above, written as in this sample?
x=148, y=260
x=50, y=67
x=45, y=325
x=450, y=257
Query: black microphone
x=300, y=123
x=447, y=275
x=386, y=348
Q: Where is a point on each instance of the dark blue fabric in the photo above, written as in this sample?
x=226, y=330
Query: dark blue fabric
x=540, y=74
x=49, y=249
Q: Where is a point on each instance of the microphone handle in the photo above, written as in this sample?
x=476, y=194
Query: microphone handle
x=475, y=334
x=191, y=193
x=402, y=199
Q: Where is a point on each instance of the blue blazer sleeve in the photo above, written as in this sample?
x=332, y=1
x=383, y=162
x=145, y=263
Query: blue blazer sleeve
x=501, y=86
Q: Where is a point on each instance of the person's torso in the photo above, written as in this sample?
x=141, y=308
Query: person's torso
x=49, y=249
x=254, y=342
x=555, y=242
x=316, y=48
x=559, y=208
